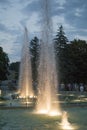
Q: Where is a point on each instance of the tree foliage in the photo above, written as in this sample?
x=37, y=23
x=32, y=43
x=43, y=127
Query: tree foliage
x=34, y=50
x=60, y=40
x=71, y=58
x=4, y=63
x=15, y=67
x=60, y=43
x=73, y=62
x=78, y=53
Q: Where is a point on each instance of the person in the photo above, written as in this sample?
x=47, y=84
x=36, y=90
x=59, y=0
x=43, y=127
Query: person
x=85, y=87
x=81, y=88
x=62, y=86
x=76, y=87
x=69, y=87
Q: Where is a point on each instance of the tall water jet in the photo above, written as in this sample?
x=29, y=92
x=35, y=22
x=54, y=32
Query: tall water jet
x=25, y=75
x=47, y=74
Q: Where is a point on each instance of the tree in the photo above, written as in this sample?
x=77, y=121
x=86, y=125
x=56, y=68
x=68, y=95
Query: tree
x=34, y=50
x=60, y=43
x=60, y=40
x=4, y=63
x=74, y=62
x=15, y=67
x=79, y=58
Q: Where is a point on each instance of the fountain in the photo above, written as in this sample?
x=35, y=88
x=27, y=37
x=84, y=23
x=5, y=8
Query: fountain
x=47, y=76
x=25, y=75
x=65, y=123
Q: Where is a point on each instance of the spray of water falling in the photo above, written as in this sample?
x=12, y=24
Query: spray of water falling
x=25, y=75
x=65, y=123
x=47, y=74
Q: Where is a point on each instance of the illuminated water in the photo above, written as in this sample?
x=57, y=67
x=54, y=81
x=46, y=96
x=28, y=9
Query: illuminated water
x=25, y=76
x=65, y=124
x=23, y=119
x=47, y=73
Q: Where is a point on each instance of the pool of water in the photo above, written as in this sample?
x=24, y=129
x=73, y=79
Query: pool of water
x=22, y=119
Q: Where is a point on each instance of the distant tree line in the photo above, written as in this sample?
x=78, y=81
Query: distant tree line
x=71, y=58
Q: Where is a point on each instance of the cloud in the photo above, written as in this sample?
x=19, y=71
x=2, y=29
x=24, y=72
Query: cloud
x=11, y=44
x=70, y=30
x=82, y=37
x=32, y=23
x=15, y=14
x=4, y=2
x=73, y=11
x=20, y=4
x=25, y=3
x=6, y=42
x=78, y=12
x=11, y=29
x=17, y=47
x=10, y=20
x=2, y=27
x=12, y=17
x=60, y=3
x=32, y=6
x=60, y=20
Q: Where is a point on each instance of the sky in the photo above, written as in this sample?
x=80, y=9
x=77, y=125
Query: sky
x=16, y=14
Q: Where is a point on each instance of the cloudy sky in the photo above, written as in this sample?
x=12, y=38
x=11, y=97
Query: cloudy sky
x=15, y=14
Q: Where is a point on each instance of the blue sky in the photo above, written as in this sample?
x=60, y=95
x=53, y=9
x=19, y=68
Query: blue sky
x=15, y=14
